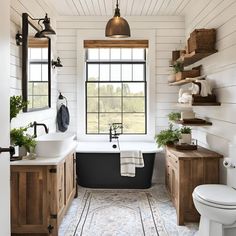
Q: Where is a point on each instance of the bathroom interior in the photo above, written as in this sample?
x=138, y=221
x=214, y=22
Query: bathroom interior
x=118, y=117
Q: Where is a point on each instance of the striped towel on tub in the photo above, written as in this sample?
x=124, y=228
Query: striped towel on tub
x=129, y=161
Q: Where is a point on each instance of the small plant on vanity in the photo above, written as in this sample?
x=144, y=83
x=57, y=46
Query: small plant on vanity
x=24, y=141
x=186, y=135
x=168, y=136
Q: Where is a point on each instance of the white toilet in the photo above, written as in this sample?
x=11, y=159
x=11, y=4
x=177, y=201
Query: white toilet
x=216, y=204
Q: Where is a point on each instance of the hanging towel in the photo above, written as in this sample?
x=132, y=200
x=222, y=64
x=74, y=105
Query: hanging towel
x=129, y=161
x=63, y=118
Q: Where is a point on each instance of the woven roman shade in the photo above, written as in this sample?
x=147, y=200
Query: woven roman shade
x=37, y=43
x=115, y=43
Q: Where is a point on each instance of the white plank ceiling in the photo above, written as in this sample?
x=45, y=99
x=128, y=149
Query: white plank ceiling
x=106, y=7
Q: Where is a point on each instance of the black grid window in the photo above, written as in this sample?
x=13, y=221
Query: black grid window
x=116, y=89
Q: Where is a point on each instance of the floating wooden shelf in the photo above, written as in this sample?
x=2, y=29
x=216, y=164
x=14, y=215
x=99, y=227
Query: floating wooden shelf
x=186, y=81
x=199, y=122
x=195, y=56
x=206, y=104
x=189, y=106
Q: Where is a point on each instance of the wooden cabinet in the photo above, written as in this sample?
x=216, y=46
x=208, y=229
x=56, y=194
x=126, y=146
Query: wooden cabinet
x=184, y=171
x=40, y=195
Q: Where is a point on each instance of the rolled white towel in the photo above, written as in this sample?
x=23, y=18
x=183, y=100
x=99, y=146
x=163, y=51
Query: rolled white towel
x=205, y=88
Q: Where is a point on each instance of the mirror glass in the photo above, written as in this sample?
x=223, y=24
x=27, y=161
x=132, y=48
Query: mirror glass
x=36, y=74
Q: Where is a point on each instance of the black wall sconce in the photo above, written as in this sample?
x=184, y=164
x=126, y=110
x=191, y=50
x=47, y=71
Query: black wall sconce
x=19, y=39
x=56, y=63
x=42, y=32
x=47, y=27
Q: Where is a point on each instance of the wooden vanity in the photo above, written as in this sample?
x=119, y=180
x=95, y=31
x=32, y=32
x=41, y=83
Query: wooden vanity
x=41, y=193
x=184, y=171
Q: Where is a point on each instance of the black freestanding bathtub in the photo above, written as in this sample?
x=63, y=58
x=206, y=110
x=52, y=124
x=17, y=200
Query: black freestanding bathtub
x=101, y=169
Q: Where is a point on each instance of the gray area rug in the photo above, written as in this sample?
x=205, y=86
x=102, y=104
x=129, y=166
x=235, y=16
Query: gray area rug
x=113, y=213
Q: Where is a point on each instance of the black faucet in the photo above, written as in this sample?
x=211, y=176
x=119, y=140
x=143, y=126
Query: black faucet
x=113, y=134
x=35, y=124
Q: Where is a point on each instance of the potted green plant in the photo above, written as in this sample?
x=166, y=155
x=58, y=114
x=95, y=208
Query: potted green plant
x=168, y=136
x=186, y=135
x=16, y=105
x=178, y=66
x=174, y=116
x=25, y=142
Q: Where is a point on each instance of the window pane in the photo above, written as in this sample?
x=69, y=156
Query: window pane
x=36, y=53
x=110, y=89
x=126, y=72
x=30, y=89
x=44, y=72
x=138, y=54
x=133, y=104
x=92, y=104
x=93, y=72
x=93, y=54
x=115, y=53
x=104, y=72
x=92, y=89
x=40, y=101
x=138, y=72
x=40, y=88
x=110, y=104
x=45, y=53
x=133, y=89
x=134, y=123
x=126, y=53
x=30, y=100
x=35, y=72
x=106, y=119
x=115, y=72
x=104, y=53
x=92, y=123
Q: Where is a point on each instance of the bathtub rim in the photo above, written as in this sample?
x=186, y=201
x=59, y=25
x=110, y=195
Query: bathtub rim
x=107, y=149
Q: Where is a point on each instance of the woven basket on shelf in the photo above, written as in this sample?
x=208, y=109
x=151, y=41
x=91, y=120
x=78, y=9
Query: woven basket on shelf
x=202, y=40
x=187, y=74
x=196, y=71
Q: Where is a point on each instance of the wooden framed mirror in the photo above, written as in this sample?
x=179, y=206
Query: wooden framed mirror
x=36, y=66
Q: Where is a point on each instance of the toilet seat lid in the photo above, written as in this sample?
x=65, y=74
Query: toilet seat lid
x=217, y=193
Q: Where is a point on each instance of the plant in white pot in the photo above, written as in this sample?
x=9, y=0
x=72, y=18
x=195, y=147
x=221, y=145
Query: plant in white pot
x=25, y=142
x=186, y=135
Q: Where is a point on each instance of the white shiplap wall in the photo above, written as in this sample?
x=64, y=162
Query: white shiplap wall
x=36, y=10
x=220, y=69
x=169, y=31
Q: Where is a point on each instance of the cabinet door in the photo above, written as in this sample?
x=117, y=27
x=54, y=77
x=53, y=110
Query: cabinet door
x=69, y=177
x=29, y=199
x=174, y=186
x=60, y=187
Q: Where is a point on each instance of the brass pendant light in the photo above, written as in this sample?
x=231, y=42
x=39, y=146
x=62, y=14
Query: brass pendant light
x=117, y=26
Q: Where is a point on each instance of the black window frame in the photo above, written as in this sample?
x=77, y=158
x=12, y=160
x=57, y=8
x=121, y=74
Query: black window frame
x=113, y=62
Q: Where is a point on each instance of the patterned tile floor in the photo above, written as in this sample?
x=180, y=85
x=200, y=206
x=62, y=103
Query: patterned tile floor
x=162, y=203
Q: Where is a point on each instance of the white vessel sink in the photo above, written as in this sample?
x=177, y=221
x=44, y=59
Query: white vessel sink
x=53, y=144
